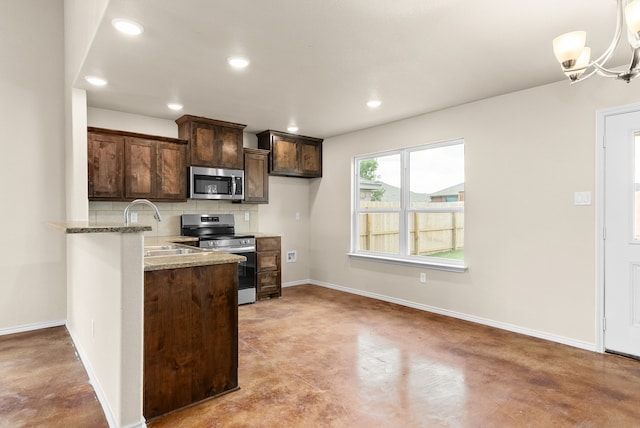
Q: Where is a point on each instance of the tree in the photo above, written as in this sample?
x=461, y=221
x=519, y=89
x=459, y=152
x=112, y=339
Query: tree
x=376, y=195
x=368, y=169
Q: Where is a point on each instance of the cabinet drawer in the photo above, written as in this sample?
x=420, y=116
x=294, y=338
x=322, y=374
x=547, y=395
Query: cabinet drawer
x=268, y=282
x=268, y=261
x=268, y=244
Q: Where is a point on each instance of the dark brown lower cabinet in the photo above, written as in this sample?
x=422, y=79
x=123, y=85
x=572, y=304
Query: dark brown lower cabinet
x=190, y=336
x=269, y=283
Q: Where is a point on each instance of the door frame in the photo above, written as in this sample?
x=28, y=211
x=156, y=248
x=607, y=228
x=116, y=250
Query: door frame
x=601, y=117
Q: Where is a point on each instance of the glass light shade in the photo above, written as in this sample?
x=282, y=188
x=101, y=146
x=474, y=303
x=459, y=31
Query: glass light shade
x=632, y=16
x=579, y=68
x=583, y=59
x=569, y=46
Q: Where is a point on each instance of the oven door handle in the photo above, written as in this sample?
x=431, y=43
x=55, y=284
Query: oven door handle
x=237, y=250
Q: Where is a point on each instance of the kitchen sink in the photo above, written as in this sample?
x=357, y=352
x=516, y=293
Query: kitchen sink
x=171, y=250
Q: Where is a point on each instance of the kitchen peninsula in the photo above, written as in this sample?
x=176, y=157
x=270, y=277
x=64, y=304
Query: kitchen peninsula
x=128, y=318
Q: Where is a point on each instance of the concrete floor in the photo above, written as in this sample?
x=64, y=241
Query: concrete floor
x=323, y=358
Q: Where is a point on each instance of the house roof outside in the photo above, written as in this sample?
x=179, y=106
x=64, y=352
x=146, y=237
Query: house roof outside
x=449, y=191
x=369, y=184
x=392, y=193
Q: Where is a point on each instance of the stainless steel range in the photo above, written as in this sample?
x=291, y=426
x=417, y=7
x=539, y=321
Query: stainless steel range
x=217, y=232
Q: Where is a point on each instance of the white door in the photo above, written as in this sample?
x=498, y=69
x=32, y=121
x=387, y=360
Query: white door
x=622, y=233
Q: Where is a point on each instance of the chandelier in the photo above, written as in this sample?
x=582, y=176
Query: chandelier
x=575, y=58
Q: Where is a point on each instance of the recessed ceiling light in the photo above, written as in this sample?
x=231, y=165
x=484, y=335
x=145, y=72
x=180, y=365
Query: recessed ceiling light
x=237, y=62
x=95, y=80
x=127, y=27
x=292, y=129
x=175, y=106
x=374, y=103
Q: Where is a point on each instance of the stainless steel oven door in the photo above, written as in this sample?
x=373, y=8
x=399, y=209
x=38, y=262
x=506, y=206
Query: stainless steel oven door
x=247, y=278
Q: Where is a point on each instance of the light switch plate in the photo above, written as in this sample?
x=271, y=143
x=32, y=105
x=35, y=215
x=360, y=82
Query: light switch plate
x=582, y=198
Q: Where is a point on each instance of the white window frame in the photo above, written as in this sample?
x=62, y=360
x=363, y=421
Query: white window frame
x=403, y=212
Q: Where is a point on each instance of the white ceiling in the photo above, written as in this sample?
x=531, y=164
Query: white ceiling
x=316, y=62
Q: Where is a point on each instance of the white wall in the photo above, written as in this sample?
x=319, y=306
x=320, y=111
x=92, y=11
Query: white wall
x=32, y=261
x=81, y=20
x=530, y=251
x=105, y=318
x=111, y=119
x=287, y=197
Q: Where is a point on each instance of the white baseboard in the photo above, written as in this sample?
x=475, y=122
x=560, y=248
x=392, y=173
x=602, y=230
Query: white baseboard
x=294, y=283
x=102, y=398
x=503, y=326
x=30, y=327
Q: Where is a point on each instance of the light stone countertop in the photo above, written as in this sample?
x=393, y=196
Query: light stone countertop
x=154, y=263
x=87, y=227
x=191, y=260
x=209, y=257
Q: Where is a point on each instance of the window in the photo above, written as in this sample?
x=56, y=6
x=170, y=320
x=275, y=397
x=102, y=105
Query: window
x=409, y=206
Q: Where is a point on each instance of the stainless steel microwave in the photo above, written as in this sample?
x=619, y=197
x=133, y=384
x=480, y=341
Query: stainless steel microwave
x=216, y=183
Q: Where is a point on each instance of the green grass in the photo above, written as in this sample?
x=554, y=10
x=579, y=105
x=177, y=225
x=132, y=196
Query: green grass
x=451, y=254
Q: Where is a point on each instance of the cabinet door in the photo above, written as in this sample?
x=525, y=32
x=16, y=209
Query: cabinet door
x=268, y=244
x=256, y=177
x=105, y=166
x=140, y=167
x=284, y=156
x=171, y=171
x=202, y=145
x=268, y=260
x=310, y=158
x=268, y=283
x=228, y=148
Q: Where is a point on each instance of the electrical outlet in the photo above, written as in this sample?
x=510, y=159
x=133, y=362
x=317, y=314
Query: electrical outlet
x=134, y=217
x=297, y=216
x=291, y=256
x=246, y=216
x=423, y=277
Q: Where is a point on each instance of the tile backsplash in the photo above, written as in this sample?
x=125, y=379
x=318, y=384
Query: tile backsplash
x=113, y=212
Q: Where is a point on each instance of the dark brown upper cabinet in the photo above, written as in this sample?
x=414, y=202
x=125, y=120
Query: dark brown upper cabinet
x=212, y=143
x=256, y=177
x=126, y=165
x=292, y=155
x=105, y=156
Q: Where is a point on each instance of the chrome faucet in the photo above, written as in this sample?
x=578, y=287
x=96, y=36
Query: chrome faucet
x=156, y=213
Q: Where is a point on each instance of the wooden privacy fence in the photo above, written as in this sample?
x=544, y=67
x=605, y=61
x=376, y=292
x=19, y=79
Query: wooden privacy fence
x=429, y=232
